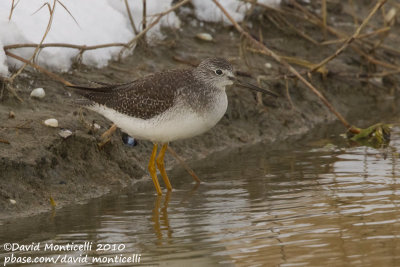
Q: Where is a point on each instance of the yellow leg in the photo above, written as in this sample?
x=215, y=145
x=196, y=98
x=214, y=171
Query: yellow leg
x=153, y=170
x=161, y=167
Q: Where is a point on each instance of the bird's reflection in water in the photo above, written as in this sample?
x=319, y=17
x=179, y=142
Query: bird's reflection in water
x=162, y=229
x=160, y=216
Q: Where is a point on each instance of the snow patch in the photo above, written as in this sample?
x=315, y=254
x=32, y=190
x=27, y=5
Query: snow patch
x=206, y=10
x=97, y=22
x=3, y=62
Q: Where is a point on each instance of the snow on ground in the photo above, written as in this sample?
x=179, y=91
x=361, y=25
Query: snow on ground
x=206, y=10
x=97, y=22
x=3, y=63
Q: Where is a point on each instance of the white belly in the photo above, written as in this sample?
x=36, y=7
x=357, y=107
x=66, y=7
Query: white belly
x=176, y=123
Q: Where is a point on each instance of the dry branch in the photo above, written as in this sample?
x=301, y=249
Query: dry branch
x=314, y=19
x=43, y=70
x=13, y=6
x=183, y=163
x=324, y=10
x=11, y=79
x=353, y=12
x=359, y=37
x=80, y=47
x=144, y=19
x=352, y=38
x=154, y=23
x=128, y=9
x=4, y=141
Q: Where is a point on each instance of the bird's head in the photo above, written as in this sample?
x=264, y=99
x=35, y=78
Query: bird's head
x=219, y=73
x=216, y=71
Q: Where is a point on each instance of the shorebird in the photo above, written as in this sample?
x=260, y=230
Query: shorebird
x=167, y=106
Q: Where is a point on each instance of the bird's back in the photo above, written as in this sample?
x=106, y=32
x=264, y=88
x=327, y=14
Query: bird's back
x=144, y=98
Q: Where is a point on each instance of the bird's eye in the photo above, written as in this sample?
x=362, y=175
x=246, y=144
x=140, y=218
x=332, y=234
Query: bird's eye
x=218, y=72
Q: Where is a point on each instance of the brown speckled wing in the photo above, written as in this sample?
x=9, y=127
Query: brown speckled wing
x=144, y=98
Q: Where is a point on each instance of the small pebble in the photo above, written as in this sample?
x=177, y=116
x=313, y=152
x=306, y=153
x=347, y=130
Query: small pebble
x=65, y=133
x=12, y=201
x=96, y=126
x=51, y=123
x=38, y=93
x=204, y=36
x=11, y=115
x=378, y=80
x=268, y=65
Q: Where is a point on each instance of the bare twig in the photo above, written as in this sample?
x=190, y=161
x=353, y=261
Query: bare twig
x=288, y=93
x=13, y=6
x=4, y=141
x=317, y=21
x=66, y=9
x=3, y=87
x=128, y=9
x=143, y=32
x=11, y=79
x=359, y=37
x=188, y=169
x=353, y=12
x=389, y=20
x=43, y=70
x=144, y=19
x=314, y=19
x=272, y=54
x=40, y=8
x=352, y=38
x=324, y=17
x=20, y=126
x=23, y=125
x=80, y=47
x=298, y=31
x=12, y=90
x=374, y=60
x=106, y=136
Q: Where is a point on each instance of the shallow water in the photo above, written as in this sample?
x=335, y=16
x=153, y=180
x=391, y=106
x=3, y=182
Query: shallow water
x=309, y=204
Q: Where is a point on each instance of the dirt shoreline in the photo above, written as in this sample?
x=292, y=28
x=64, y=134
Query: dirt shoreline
x=38, y=162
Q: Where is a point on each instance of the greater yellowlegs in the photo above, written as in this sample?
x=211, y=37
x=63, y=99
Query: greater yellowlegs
x=167, y=106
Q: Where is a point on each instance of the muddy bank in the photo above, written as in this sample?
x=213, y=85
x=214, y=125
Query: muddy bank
x=38, y=162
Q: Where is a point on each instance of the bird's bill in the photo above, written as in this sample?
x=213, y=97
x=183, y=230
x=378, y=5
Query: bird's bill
x=254, y=87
